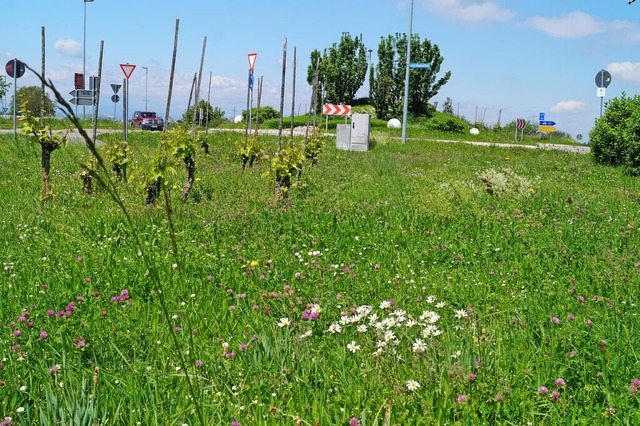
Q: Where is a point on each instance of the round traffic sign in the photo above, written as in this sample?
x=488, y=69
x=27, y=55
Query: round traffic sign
x=14, y=68
x=579, y=137
x=603, y=78
x=115, y=99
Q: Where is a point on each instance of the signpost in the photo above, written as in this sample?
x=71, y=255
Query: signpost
x=546, y=126
x=331, y=109
x=521, y=123
x=115, y=98
x=82, y=97
x=127, y=69
x=418, y=65
x=15, y=69
x=78, y=81
x=252, y=63
x=603, y=80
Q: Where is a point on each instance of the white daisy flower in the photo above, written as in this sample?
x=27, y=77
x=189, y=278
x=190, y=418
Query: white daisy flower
x=284, y=322
x=419, y=346
x=412, y=385
x=461, y=313
x=353, y=347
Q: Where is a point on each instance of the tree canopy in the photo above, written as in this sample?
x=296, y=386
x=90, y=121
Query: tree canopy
x=342, y=69
x=387, y=78
x=32, y=96
x=205, y=113
x=4, y=87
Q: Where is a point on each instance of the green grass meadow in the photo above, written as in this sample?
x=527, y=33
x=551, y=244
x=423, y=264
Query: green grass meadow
x=413, y=284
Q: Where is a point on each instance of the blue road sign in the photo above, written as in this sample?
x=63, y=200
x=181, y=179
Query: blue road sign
x=418, y=65
x=251, y=81
x=547, y=123
x=541, y=116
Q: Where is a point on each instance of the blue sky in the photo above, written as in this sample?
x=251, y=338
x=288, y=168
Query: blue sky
x=509, y=58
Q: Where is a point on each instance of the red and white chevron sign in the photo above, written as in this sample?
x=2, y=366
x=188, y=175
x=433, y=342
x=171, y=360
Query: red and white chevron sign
x=521, y=123
x=331, y=109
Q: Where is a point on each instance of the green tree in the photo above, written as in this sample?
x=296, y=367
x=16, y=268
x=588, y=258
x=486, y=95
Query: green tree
x=205, y=113
x=447, y=106
x=342, y=71
x=31, y=98
x=4, y=87
x=615, y=138
x=387, y=80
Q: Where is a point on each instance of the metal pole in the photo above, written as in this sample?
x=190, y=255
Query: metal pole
x=15, y=96
x=125, y=107
x=146, y=86
x=406, y=79
x=601, y=85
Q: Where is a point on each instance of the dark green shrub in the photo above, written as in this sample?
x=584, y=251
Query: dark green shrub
x=615, y=138
x=447, y=123
x=263, y=114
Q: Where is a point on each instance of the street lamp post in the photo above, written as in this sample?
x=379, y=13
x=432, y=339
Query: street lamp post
x=84, y=52
x=146, y=86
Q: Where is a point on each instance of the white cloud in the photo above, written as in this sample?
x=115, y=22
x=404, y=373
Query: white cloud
x=569, y=25
x=627, y=71
x=470, y=10
x=68, y=47
x=569, y=106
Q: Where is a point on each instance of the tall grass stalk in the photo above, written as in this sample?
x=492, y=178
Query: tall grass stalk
x=106, y=182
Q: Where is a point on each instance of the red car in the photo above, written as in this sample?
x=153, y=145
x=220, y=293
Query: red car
x=147, y=120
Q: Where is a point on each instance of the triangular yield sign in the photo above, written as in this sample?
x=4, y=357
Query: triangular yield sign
x=127, y=69
x=252, y=60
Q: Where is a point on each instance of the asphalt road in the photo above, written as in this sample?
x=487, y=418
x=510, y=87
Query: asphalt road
x=74, y=136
